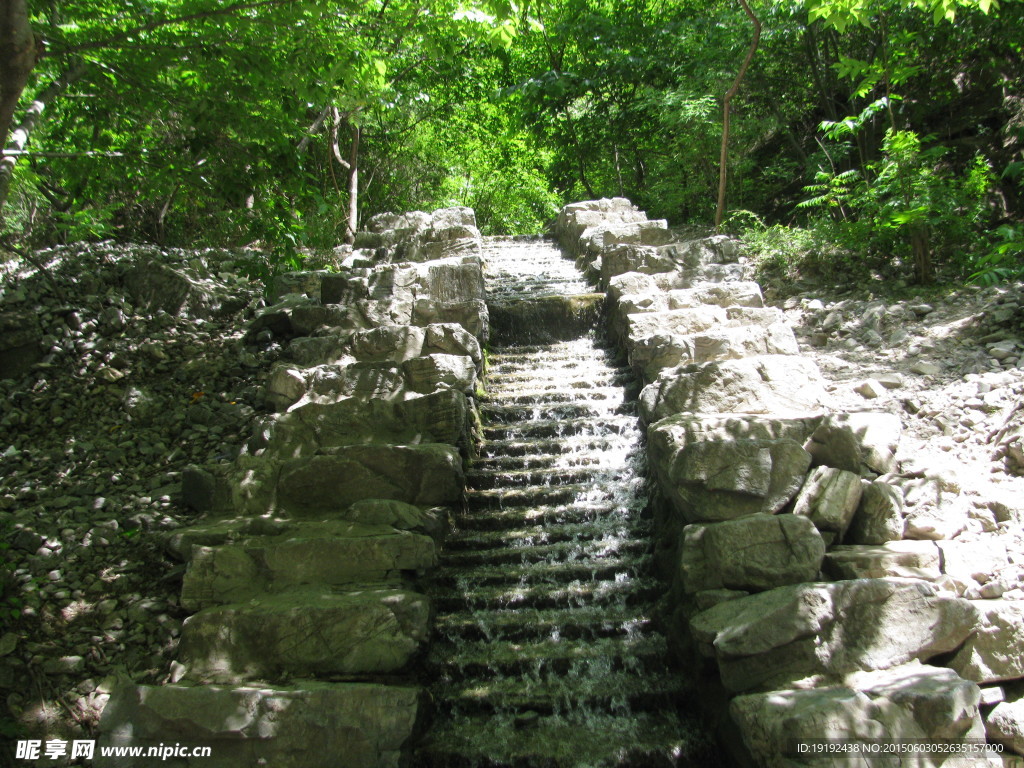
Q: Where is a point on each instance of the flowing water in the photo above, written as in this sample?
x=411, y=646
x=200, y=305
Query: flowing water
x=548, y=650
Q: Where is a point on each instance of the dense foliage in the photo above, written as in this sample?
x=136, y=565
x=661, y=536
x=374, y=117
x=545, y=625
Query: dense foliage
x=883, y=135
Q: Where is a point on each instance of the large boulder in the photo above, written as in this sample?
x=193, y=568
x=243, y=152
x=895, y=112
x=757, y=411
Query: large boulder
x=307, y=633
x=305, y=726
x=879, y=516
x=721, y=480
x=576, y=218
x=902, y=705
x=769, y=384
x=996, y=649
x=327, y=553
x=426, y=475
x=1005, y=725
x=707, y=317
x=650, y=355
x=752, y=553
x=439, y=417
x=829, y=498
x=857, y=442
x=825, y=631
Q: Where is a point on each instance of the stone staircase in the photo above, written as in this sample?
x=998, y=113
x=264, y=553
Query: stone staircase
x=549, y=649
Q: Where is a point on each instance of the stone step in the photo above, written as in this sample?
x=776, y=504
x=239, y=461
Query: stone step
x=540, y=495
x=479, y=658
x=604, y=690
x=493, y=415
x=265, y=724
x=505, y=519
x=543, y=461
x=311, y=632
x=567, y=381
x=327, y=553
x=547, y=447
x=594, y=592
x=539, y=624
x=519, y=397
x=641, y=740
x=543, y=572
x=559, y=552
x=518, y=537
x=483, y=479
x=590, y=427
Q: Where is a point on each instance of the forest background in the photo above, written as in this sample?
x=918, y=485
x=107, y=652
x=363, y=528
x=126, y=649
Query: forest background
x=866, y=138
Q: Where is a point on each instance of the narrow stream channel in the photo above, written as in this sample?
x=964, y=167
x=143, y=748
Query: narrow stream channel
x=549, y=650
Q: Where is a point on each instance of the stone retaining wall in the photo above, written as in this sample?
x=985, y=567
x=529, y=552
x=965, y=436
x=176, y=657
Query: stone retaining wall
x=302, y=571
x=828, y=595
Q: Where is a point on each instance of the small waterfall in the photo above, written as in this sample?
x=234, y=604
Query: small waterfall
x=549, y=652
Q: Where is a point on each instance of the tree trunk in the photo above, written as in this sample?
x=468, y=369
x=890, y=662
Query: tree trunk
x=921, y=247
x=727, y=101
x=353, y=188
x=19, y=136
x=18, y=54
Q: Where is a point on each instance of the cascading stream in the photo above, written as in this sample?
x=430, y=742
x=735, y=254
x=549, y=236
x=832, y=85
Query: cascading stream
x=547, y=651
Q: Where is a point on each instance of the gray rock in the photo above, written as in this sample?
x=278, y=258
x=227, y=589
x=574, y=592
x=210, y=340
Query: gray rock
x=751, y=553
x=775, y=638
x=925, y=368
x=651, y=354
x=425, y=475
x=900, y=559
x=307, y=632
x=1005, y=725
x=287, y=727
x=713, y=481
x=996, y=649
x=769, y=384
x=879, y=517
x=912, y=702
x=329, y=553
x=829, y=498
x=857, y=442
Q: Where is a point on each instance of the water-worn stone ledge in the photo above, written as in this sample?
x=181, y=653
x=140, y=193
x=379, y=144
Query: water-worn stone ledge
x=763, y=491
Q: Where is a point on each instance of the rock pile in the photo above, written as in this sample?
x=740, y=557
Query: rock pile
x=837, y=595
x=130, y=373
x=302, y=573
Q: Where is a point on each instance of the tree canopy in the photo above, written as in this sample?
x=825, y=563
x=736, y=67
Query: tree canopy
x=892, y=126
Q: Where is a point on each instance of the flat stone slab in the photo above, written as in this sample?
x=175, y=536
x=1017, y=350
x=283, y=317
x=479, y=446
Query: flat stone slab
x=314, y=725
x=305, y=632
x=902, y=559
x=328, y=553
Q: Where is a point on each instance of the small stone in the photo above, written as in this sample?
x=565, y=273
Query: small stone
x=921, y=309
x=870, y=389
x=925, y=368
x=890, y=380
